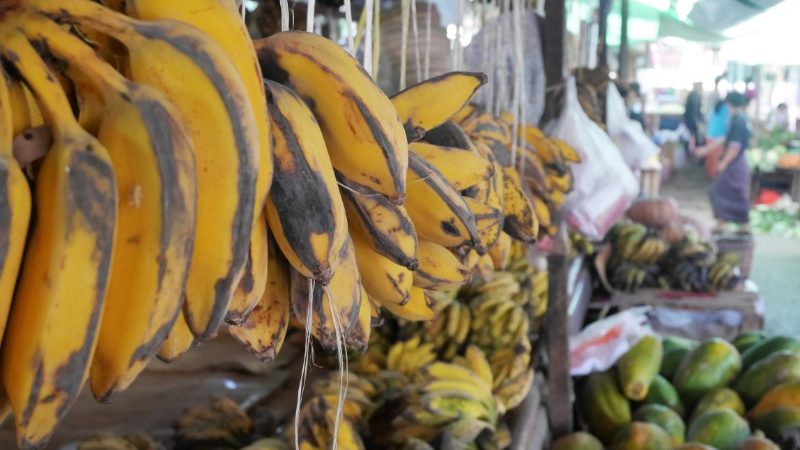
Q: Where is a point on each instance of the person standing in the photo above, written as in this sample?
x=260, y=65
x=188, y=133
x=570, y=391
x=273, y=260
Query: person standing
x=693, y=115
x=730, y=191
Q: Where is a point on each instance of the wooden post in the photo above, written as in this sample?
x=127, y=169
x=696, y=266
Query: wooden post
x=602, y=48
x=623, y=42
x=554, y=31
x=557, y=336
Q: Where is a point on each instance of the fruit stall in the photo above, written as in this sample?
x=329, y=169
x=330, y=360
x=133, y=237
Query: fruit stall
x=330, y=240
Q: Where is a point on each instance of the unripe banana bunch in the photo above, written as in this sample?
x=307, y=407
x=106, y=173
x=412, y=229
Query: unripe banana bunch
x=317, y=422
x=221, y=424
x=407, y=357
x=449, y=331
x=580, y=243
x=629, y=277
x=498, y=322
x=449, y=398
x=108, y=441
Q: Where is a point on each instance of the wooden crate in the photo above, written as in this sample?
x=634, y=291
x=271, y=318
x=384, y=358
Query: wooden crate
x=707, y=314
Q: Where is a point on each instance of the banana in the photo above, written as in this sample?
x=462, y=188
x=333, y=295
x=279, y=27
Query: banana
x=477, y=362
x=179, y=340
x=388, y=227
x=461, y=168
x=363, y=133
x=220, y=21
x=254, y=280
x=439, y=212
x=438, y=268
x=542, y=212
x=264, y=330
x=335, y=307
x=197, y=77
x=501, y=251
x=446, y=387
x=65, y=272
x=381, y=277
x=304, y=182
x=489, y=222
x=489, y=191
x=451, y=90
x=513, y=391
x=520, y=219
x=567, y=152
x=449, y=134
x=151, y=155
x=15, y=203
x=358, y=336
x=465, y=113
x=26, y=113
x=418, y=308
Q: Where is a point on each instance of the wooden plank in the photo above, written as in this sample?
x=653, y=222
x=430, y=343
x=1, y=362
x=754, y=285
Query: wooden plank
x=557, y=337
x=527, y=418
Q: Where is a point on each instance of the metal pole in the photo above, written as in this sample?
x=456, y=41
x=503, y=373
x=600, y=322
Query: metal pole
x=602, y=48
x=623, y=42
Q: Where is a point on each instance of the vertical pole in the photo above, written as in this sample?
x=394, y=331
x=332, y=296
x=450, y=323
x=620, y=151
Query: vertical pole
x=555, y=28
x=623, y=42
x=557, y=335
x=602, y=47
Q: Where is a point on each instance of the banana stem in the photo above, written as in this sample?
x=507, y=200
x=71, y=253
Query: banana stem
x=69, y=48
x=43, y=83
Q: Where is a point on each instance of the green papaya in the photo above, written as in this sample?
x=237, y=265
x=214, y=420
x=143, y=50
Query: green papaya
x=775, y=421
x=665, y=418
x=784, y=394
x=747, y=339
x=759, y=443
x=762, y=376
x=719, y=399
x=641, y=436
x=713, y=364
x=675, y=349
x=720, y=428
x=637, y=368
x=662, y=392
x=767, y=347
x=694, y=446
x=605, y=410
x=577, y=441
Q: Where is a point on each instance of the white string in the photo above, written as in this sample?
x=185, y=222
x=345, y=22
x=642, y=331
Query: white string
x=337, y=328
x=304, y=371
x=244, y=12
x=284, y=15
x=368, y=5
x=348, y=15
x=428, y=41
x=405, y=6
x=415, y=29
x=310, y=16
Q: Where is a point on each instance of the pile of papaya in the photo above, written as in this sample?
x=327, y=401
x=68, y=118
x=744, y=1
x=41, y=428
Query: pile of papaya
x=677, y=393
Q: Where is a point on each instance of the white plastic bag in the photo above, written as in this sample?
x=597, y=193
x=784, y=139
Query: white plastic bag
x=597, y=347
x=604, y=184
x=628, y=134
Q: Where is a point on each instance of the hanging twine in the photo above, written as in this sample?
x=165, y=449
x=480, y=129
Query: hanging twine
x=368, y=5
x=310, y=16
x=284, y=15
x=404, y=13
x=428, y=40
x=415, y=30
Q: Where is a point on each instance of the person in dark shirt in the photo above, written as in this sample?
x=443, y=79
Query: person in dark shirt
x=693, y=115
x=730, y=190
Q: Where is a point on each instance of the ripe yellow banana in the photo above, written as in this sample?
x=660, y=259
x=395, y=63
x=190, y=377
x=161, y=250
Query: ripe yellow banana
x=52, y=328
x=359, y=333
x=151, y=155
x=254, y=280
x=382, y=278
x=335, y=307
x=501, y=251
x=264, y=330
x=387, y=226
x=438, y=268
x=15, y=202
x=490, y=190
x=198, y=78
x=461, y=168
x=363, y=133
x=489, y=222
x=520, y=219
x=542, y=212
x=449, y=134
x=418, y=308
x=220, y=21
x=451, y=90
x=304, y=183
x=439, y=212
x=26, y=113
x=179, y=340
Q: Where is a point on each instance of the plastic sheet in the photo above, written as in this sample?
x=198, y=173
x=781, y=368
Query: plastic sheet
x=599, y=345
x=633, y=143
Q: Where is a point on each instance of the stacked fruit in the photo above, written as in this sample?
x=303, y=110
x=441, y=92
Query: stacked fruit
x=544, y=163
x=641, y=258
x=187, y=192
x=710, y=394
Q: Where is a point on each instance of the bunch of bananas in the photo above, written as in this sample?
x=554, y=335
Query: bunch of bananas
x=543, y=162
x=580, y=244
x=107, y=441
x=640, y=258
x=183, y=191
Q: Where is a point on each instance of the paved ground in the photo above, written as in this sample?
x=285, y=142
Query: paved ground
x=776, y=264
